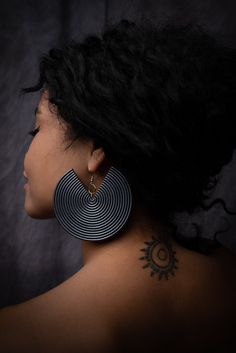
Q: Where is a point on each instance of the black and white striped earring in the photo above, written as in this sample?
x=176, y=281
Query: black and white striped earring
x=90, y=214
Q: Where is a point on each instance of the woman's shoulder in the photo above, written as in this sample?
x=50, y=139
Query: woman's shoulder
x=129, y=299
x=169, y=292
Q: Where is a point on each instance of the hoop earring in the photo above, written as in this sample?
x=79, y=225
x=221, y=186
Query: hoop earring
x=92, y=214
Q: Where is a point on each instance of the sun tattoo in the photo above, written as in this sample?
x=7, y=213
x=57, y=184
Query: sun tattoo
x=160, y=258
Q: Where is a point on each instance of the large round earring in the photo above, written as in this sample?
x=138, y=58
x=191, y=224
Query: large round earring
x=90, y=214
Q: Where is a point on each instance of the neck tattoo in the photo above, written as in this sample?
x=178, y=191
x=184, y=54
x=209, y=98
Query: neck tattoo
x=160, y=257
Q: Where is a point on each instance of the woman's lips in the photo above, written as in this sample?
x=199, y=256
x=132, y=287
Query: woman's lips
x=26, y=184
x=25, y=175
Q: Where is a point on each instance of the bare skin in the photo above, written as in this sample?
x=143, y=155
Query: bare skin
x=135, y=293
x=193, y=311
x=113, y=304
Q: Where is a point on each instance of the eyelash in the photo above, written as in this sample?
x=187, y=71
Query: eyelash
x=34, y=132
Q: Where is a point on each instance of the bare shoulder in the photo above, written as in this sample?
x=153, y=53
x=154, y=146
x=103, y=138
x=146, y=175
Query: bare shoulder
x=89, y=312
x=68, y=318
x=127, y=300
x=156, y=292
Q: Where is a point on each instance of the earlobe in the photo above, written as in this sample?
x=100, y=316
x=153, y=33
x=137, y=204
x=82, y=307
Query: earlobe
x=96, y=159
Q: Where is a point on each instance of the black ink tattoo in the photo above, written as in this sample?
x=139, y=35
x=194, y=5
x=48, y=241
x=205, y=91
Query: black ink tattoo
x=160, y=258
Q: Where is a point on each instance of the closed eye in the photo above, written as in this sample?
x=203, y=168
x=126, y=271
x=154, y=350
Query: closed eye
x=33, y=132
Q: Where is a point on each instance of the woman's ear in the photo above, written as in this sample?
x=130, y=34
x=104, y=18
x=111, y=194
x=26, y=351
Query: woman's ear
x=97, y=157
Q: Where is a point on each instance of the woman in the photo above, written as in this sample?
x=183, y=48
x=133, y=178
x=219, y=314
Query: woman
x=130, y=128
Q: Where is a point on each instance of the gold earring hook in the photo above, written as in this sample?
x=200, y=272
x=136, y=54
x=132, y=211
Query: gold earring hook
x=92, y=187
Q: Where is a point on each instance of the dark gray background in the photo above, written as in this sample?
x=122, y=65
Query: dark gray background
x=36, y=255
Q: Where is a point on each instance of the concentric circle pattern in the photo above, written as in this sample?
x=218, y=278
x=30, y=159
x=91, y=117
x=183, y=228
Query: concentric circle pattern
x=92, y=218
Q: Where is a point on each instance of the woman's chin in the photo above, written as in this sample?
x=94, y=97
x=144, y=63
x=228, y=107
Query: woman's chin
x=37, y=212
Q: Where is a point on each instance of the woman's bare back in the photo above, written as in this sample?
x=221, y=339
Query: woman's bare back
x=204, y=304
x=114, y=305
x=193, y=311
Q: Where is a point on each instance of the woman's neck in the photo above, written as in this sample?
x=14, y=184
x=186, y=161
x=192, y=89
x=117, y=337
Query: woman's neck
x=140, y=228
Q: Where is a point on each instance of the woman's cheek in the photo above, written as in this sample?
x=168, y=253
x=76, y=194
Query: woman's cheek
x=38, y=201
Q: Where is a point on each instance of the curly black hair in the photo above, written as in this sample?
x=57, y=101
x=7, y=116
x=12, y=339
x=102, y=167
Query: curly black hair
x=160, y=100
